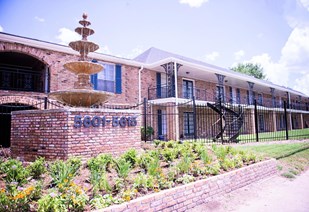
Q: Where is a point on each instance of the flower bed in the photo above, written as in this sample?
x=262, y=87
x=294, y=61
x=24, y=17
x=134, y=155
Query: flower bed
x=104, y=181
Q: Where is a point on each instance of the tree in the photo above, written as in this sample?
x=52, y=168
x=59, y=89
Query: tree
x=251, y=69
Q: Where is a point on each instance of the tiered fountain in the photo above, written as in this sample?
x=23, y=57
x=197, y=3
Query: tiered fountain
x=82, y=95
x=78, y=130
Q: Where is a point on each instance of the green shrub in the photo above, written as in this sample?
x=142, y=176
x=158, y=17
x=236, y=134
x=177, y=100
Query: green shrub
x=168, y=155
x=146, y=133
x=153, y=167
x=62, y=172
x=130, y=156
x=205, y=157
x=100, y=162
x=99, y=201
x=14, y=172
x=212, y=169
x=122, y=167
x=98, y=180
x=37, y=168
x=184, y=165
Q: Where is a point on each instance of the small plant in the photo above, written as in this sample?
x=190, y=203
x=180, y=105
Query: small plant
x=99, y=201
x=184, y=165
x=128, y=194
x=16, y=198
x=100, y=162
x=185, y=179
x=168, y=155
x=205, y=157
x=227, y=164
x=62, y=172
x=37, y=168
x=153, y=167
x=122, y=167
x=212, y=169
x=130, y=156
x=72, y=199
x=140, y=182
x=156, y=142
x=14, y=172
x=98, y=180
x=146, y=133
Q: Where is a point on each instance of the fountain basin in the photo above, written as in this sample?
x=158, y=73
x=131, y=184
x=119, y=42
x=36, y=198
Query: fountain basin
x=81, y=97
x=83, y=67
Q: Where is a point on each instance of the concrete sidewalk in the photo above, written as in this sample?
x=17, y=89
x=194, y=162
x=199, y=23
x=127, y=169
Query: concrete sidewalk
x=269, y=195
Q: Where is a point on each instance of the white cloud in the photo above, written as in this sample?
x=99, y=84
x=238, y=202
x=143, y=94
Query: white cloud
x=296, y=49
x=212, y=56
x=1, y=28
x=239, y=54
x=39, y=19
x=193, y=3
x=66, y=36
x=292, y=69
x=302, y=84
x=305, y=3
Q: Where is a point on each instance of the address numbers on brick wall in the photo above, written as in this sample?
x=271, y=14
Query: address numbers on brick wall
x=102, y=121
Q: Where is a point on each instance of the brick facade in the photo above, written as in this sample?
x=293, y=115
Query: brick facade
x=193, y=194
x=50, y=133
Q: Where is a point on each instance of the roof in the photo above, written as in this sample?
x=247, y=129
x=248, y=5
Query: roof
x=154, y=55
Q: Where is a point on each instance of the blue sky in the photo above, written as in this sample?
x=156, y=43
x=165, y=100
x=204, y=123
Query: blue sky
x=273, y=33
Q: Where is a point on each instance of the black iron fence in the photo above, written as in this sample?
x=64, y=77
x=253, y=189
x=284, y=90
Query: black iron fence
x=222, y=121
x=165, y=91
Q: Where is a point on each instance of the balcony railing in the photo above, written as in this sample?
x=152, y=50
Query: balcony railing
x=20, y=79
x=213, y=96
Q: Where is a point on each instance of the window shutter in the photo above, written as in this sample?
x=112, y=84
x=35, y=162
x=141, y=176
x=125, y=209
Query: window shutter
x=158, y=85
x=118, y=79
x=94, y=81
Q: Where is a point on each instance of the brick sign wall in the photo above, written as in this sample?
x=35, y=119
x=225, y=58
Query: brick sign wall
x=61, y=133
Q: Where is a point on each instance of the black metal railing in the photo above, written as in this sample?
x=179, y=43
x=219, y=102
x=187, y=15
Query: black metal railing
x=221, y=121
x=213, y=96
x=21, y=79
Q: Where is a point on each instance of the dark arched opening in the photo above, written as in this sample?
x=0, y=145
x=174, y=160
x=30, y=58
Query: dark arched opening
x=5, y=121
x=21, y=72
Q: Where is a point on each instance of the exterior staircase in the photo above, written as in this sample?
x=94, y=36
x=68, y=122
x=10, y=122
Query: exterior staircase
x=232, y=122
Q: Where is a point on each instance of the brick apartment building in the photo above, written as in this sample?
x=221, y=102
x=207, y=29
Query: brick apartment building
x=30, y=69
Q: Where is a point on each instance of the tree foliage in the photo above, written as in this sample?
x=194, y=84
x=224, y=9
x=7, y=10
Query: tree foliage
x=255, y=70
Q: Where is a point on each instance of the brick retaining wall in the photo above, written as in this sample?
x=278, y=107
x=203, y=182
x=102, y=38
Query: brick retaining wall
x=51, y=134
x=187, y=196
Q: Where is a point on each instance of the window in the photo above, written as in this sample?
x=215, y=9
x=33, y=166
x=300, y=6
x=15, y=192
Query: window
x=238, y=96
x=187, y=89
x=261, y=123
x=109, y=79
x=106, y=78
x=260, y=99
x=220, y=93
x=188, y=124
x=231, y=95
x=162, y=124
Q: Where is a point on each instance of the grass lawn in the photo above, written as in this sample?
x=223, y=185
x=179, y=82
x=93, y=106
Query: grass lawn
x=279, y=135
x=293, y=158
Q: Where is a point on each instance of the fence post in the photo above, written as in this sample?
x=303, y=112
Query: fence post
x=194, y=118
x=45, y=102
x=286, y=121
x=145, y=119
x=221, y=118
x=256, y=123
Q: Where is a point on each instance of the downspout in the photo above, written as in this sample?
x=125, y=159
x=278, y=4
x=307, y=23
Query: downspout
x=175, y=79
x=140, y=84
x=176, y=102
